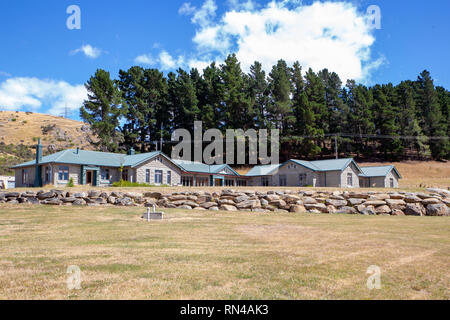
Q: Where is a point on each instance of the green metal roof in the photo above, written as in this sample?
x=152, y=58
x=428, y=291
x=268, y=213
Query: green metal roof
x=94, y=158
x=321, y=165
x=378, y=171
x=192, y=166
x=265, y=170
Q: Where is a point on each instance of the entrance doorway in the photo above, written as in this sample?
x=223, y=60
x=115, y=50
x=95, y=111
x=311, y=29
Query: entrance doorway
x=89, y=175
x=218, y=182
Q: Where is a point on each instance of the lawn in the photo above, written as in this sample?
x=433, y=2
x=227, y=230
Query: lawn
x=219, y=255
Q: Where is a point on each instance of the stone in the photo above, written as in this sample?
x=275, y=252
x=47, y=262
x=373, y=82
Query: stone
x=208, y=205
x=314, y=211
x=297, y=208
x=355, y=201
x=396, y=204
x=272, y=197
x=309, y=200
x=414, y=209
x=177, y=197
x=191, y=204
x=126, y=201
x=133, y=195
x=397, y=212
x=79, y=195
x=94, y=193
x=214, y=208
x=336, y=203
x=46, y=195
x=374, y=203
x=412, y=199
x=185, y=207
x=397, y=196
x=12, y=195
x=346, y=210
x=154, y=195
x=442, y=192
x=112, y=200
x=278, y=203
x=226, y=207
x=264, y=202
x=370, y=210
x=13, y=201
x=430, y=201
x=68, y=200
x=331, y=208
x=290, y=199
x=317, y=206
x=249, y=204
x=438, y=209
x=379, y=196
x=226, y=201
x=79, y=202
x=383, y=209
x=359, y=195
x=241, y=198
x=53, y=202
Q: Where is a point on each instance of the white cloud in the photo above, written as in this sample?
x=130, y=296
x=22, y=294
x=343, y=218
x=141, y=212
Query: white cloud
x=333, y=35
x=5, y=74
x=186, y=9
x=145, y=59
x=89, y=51
x=35, y=94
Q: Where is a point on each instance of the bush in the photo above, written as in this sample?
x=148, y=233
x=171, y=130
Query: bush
x=70, y=183
x=125, y=184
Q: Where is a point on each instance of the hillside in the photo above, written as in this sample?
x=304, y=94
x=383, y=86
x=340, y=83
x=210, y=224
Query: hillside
x=19, y=132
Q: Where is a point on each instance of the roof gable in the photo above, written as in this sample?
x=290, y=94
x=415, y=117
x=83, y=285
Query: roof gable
x=379, y=171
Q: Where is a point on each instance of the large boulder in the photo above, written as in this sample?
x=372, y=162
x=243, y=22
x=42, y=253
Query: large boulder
x=297, y=208
x=396, y=203
x=375, y=203
x=79, y=202
x=53, y=202
x=125, y=202
x=355, y=201
x=208, y=205
x=94, y=193
x=438, y=209
x=383, y=209
x=412, y=199
x=346, y=210
x=414, y=209
x=46, y=195
x=155, y=195
x=428, y=201
x=309, y=200
x=321, y=207
x=227, y=207
x=249, y=204
x=336, y=203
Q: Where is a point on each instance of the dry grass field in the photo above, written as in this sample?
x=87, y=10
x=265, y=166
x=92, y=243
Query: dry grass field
x=18, y=127
x=219, y=255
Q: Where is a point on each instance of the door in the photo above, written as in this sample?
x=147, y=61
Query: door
x=88, y=177
x=218, y=182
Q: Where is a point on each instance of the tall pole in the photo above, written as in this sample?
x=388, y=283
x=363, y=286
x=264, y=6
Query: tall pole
x=336, y=147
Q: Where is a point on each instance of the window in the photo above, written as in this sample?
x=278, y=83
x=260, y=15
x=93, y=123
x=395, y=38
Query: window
x=187, y=181
x=158, y=176
x=201, y=181
x=25, y=176
x=349, y=179
x=265, y=181
x=104, y=174
x=391, y=182
x=169, y=177
x=241, y=183
x=147, y=175
x=302, y=179
x=229, y=182
x=63, y=173
x=283, y=180
x=48, y=174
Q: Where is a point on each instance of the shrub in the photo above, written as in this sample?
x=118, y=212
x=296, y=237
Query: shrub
x=123, y=183
x=70, y=183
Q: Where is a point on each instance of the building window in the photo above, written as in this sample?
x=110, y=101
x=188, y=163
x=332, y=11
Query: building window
x=241, y=183
x=229, y=183
x=158, y=176
x=147, y=175
x=25, y=176
x=202, y=181
x=48, y=174
x=187, y=181
x=63, y=173
x=265, y=181
x=391, y=182
x=125, y=175
x=104, y=174
x=349, y=179
x=283, y=180
x=169, y=177
x=302, y=179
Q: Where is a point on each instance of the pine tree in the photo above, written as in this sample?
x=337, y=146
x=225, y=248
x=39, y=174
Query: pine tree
x=103, y=110
x=258, y=94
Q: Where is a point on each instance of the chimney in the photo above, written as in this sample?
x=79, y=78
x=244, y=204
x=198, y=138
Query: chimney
x=38, y=169
x=131, y=152
x=39, y=152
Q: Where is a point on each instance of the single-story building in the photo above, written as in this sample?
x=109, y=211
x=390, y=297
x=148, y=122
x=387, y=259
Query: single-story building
x=102, y=169
x=379, y=177
x=342, y=173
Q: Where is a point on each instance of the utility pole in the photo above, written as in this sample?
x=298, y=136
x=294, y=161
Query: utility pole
x=161, y=139
x=336, y=147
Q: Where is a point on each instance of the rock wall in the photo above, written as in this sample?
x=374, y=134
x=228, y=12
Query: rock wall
x=434, y=202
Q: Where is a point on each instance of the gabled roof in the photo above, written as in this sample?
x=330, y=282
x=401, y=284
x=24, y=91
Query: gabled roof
x=192, y=166
x=321, y=165
x=378, y=171
x=96, y=158
x=262, y=170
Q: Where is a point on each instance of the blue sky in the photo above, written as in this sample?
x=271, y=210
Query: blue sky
x=43, y=64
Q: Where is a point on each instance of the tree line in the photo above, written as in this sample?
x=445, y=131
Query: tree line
x=313, y=111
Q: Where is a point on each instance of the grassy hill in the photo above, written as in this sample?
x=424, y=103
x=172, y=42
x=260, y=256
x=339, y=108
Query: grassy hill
x=19, y=132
